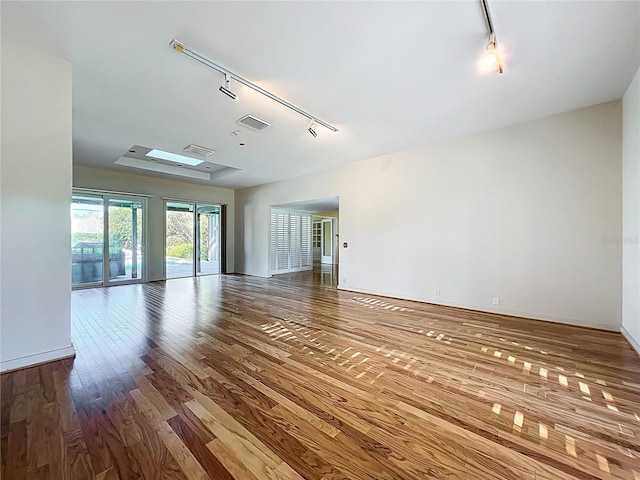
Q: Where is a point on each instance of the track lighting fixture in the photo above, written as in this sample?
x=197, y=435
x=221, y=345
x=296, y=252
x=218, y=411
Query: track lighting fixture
x=226, y=90
x=182, y=48
x=491, y=58
x=311, y=129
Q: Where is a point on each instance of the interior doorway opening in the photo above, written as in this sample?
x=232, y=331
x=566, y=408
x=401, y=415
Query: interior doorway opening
x=325, y=221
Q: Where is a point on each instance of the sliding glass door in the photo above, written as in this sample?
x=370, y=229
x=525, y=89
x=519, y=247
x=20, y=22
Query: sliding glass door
x=107, y=239
x=208, y=235
x=179, y=239
x=193, y=239
x=87, y=240
x=125, y=222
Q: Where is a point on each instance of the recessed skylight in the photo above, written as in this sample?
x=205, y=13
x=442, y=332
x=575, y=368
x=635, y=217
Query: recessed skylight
x=172, y=157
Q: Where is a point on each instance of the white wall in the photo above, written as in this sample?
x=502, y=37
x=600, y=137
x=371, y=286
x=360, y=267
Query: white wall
x=631, y=213
x=530, y=214
x=35, y=312
x=125, y=182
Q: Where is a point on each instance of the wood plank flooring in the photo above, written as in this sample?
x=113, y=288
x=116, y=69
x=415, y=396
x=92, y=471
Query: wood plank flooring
x=234, y=377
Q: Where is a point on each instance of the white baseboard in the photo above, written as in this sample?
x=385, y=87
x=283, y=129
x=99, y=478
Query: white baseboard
x=497, y=310
x=37, y=358
x=634, y=343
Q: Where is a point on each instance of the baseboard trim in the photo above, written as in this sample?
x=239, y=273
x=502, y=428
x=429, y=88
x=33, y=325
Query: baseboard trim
x=632, y=341
x=37, y=359
x=498, y=310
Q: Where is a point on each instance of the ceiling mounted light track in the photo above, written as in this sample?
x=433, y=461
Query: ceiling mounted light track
x=492, y=56
x=182, y=48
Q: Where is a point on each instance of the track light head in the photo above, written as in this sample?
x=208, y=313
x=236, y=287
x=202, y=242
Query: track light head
x=311, y=129
x=228, y=93
x=492, y=57
x=226, y=90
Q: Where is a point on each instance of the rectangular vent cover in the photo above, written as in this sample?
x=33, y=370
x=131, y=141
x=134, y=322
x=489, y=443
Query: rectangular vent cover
x=198, y=150
x=254, y=123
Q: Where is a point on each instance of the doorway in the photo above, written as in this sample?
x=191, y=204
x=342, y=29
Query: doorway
x=194, y=237
x=323, y=241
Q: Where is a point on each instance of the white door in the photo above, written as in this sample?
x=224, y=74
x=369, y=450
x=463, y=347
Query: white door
x=326, y=238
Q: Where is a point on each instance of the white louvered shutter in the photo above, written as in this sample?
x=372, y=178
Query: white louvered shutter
x=289, y=241
x=294, y=245
x=282, y=253
x=305, y=241
x=273, y=242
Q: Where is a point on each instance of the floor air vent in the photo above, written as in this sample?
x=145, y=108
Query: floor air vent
x=254, y=123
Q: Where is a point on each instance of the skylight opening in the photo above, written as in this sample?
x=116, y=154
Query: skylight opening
x=173, y=157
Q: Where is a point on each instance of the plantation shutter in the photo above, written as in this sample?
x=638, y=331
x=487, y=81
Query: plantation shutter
x=289, y=241
x=305, y=241
x=282, y=260
x=273, y=242
x=294, y=245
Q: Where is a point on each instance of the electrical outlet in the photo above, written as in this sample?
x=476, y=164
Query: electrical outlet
x=437, y=292
x=344, y=281
x=496, y=301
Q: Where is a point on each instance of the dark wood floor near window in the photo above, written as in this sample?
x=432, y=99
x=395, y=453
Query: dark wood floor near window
x=246, y=378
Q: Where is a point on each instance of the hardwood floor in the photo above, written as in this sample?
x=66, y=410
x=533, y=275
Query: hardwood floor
x=234, y=377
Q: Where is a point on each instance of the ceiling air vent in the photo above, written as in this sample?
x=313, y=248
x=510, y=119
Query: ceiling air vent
x=254, y=123
x=198, y=150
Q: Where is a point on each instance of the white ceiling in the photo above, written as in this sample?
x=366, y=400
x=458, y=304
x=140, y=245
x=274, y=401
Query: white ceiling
x=390, y=75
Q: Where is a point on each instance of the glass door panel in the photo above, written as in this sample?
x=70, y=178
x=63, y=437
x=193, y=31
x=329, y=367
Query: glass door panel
x=125, y=239
x=87, y=240
x=327, y=241
x=208, y=234
x=179, y=229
